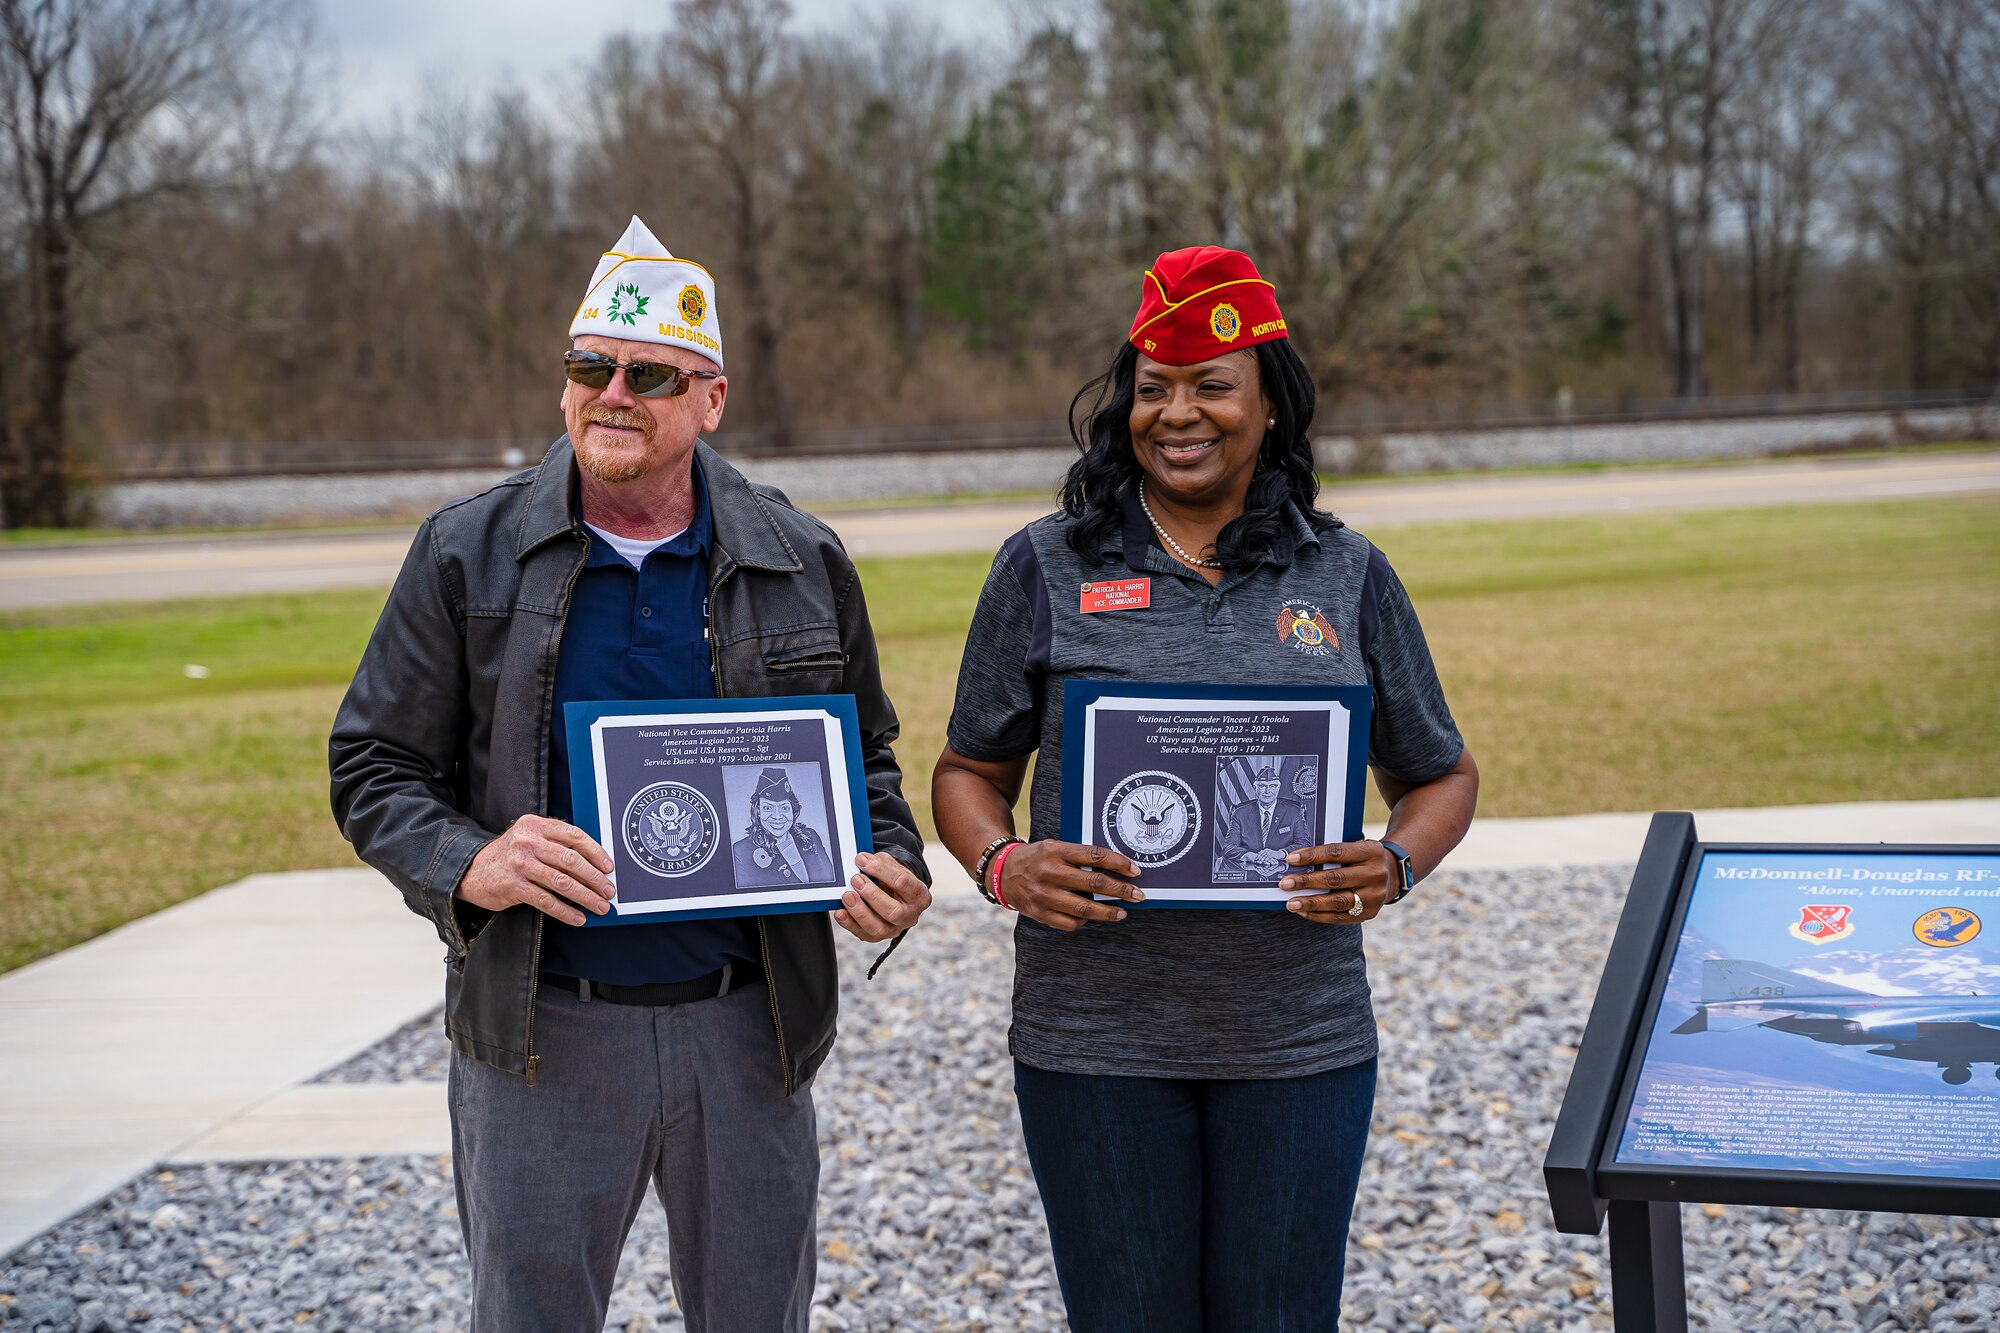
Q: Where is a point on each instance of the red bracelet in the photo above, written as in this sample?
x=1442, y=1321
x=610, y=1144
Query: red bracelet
x=999, y=863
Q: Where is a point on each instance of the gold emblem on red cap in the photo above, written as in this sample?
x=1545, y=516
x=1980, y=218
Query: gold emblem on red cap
x=1224, y=322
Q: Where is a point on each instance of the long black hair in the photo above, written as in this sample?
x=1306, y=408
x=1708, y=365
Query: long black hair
x=1100, y=421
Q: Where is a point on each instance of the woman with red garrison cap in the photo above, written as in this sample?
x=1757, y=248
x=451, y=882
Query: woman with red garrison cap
x=1195, y=1087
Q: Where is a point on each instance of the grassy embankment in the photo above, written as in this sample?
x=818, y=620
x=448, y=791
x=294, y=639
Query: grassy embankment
x=1701, y=659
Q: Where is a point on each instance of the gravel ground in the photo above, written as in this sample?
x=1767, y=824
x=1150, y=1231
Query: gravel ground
x=414, y=1053
x=929, y=1220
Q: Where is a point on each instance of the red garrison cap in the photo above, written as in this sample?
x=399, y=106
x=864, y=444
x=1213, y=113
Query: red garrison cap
x=1202, y=302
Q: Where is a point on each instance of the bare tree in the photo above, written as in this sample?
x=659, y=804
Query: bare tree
x=491, y=178
x=1926, y=180
x=1951, y=49
x=1672, y=70
x=1784, y=131
x=106, y=106
x=919, y=83
x=727, y=76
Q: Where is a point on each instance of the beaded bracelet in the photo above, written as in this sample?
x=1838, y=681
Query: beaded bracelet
x=1000, y=868
x=986, y=863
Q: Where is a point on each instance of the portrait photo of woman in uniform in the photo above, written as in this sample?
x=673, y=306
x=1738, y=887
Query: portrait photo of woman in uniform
x=1195, y=1087
x=778, y=848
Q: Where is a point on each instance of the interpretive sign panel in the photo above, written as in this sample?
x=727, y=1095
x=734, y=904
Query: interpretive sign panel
x=1826, y=1012
x=1802, y=1026
x=1207, y=787
x=721, y=807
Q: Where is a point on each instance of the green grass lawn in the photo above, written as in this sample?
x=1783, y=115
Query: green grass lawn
x=1722, y=658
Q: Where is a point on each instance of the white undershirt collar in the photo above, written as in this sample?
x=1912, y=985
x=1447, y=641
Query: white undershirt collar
x=634, y=550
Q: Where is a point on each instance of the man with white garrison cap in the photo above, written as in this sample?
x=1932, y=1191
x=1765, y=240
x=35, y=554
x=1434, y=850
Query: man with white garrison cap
x=633, y=563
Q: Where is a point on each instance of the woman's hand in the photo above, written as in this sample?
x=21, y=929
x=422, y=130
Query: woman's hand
x=1354, y=872
x=1053, y=882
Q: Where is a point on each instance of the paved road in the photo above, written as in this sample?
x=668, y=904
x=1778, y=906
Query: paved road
x=152, y=570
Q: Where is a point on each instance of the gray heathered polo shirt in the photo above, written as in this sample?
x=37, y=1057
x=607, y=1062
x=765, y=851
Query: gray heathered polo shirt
x=1192, y=994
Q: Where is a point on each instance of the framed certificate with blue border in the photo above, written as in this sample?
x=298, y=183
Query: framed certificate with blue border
x=1206, y=787
x=721, y=807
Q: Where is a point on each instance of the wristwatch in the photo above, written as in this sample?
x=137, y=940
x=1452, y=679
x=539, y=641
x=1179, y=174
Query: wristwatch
x=1403, y=867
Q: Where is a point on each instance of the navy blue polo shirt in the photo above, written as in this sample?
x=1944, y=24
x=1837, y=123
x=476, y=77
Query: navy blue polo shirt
x=637, y=634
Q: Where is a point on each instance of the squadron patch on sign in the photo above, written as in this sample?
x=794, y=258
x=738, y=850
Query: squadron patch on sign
x=1152, y=817
x=1305, y=783
x=1946, y=927
x=1304, y=627
x=1823, y=923
x=670, y=828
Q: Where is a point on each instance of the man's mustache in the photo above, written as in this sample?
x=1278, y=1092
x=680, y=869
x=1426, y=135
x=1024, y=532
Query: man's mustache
x=630, y=418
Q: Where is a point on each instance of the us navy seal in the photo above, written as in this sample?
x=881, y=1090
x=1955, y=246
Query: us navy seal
x=670, y=829
x=1153, y=817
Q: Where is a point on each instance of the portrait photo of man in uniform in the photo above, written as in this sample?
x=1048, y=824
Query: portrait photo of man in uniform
x=1262, y=823
x=779, y=847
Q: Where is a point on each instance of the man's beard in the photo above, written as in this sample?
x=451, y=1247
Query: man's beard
x=614, y=468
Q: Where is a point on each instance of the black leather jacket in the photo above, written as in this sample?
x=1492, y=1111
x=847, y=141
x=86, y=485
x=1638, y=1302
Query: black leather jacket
x=443, y=738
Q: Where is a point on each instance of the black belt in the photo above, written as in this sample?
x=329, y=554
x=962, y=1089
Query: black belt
x=736, y=974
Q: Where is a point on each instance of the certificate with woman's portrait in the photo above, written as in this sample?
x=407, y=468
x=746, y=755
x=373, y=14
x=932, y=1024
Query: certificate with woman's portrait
x=721, y=807
x=1207, y=787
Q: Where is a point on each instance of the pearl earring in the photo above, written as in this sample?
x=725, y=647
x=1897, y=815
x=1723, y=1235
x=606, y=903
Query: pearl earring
x=1271, y=424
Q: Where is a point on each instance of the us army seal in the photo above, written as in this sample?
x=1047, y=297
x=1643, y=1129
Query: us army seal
x=670, y=828
x=1152, y=817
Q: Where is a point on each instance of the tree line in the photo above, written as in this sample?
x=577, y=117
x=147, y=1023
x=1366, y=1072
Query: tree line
x=1457, y=199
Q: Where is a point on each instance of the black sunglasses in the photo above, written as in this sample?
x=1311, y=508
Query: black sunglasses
x=647, y=379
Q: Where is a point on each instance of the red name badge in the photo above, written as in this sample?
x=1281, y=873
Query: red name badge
x=1118, y=595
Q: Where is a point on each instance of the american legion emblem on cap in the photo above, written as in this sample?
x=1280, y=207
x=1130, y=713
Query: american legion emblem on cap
x=1199, y=303
x=641, y=293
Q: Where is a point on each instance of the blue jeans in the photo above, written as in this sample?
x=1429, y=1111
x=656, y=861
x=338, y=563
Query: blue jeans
x=1197, y=1205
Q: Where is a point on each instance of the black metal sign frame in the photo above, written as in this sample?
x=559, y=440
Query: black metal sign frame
x=1584, y=1179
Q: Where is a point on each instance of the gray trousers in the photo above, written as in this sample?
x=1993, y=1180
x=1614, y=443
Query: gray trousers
x=687, y=1096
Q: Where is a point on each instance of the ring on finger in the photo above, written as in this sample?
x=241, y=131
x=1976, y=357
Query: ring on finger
x=1354, y=908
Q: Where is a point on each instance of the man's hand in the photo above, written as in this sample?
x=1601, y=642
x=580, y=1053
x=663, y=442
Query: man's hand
x=1266, y=863
x=1355, y=872
x=551, y=866
x=886, y=899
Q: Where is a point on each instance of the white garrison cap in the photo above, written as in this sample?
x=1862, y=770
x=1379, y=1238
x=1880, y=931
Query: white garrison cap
x=641, y=293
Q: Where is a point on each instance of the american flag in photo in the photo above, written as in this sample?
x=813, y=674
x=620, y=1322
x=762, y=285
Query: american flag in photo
x=1236, y=782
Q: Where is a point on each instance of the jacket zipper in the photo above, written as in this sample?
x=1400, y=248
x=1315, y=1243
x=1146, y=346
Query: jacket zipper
x=535, y=951
x=763, y=937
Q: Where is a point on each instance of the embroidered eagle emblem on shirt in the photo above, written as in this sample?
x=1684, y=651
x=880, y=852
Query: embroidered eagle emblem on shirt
x=1303, y=626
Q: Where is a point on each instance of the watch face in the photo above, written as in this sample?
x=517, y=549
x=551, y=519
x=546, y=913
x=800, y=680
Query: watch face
x=1403, y=866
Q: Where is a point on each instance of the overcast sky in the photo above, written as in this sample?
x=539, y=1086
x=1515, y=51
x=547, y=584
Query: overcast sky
x=390, y=52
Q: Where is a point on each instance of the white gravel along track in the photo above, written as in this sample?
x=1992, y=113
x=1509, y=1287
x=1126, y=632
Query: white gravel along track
x=929, y=1219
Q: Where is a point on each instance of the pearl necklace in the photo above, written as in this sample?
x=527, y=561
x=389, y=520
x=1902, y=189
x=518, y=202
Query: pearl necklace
x=1168, y=537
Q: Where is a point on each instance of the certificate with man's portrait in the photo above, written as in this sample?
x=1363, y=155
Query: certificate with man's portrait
x=721, y=807
x=1207, y=788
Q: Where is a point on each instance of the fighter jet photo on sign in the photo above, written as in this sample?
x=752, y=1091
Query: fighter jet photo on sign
x=1828, y=1013
x=1953, y=1032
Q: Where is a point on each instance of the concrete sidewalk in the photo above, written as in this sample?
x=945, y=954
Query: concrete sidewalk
x=190, y=1035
